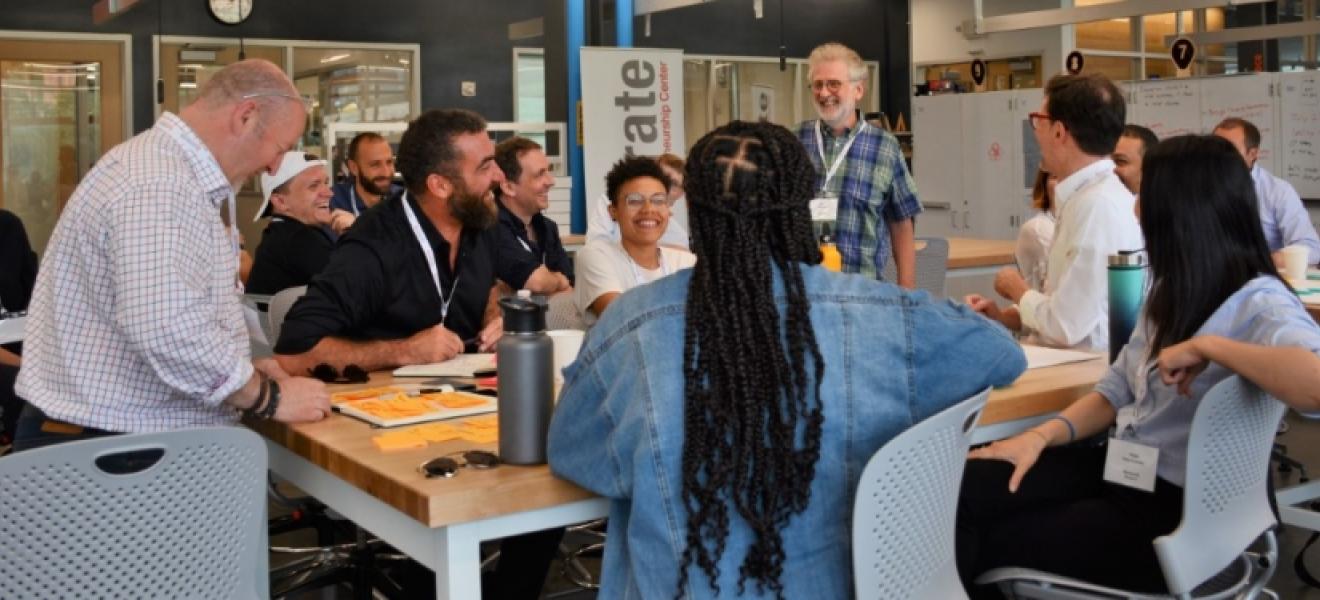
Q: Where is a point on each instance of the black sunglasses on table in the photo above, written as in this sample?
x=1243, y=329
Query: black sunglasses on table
x=329, y=374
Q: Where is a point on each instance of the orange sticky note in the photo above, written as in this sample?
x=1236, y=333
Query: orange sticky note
x=457, y=400
x=481, y=437
x=438, y=432
x=398, y=440
x=341, y=397
x=490, y=421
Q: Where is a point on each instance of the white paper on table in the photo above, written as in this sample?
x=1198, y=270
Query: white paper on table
x=11, y=330
x=1040, y=356
x=463, y=365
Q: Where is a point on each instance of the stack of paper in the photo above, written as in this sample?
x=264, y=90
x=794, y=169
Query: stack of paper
x=1040, y=356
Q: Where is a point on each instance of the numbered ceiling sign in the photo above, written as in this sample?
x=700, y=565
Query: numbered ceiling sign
x=1075, y=62
x=978, y=71
x=1183, y=52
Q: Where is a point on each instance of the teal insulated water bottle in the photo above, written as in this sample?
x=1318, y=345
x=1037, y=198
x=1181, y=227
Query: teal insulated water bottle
x=1127, y=289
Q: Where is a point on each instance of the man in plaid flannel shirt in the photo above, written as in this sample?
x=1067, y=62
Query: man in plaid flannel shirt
x=860, y=170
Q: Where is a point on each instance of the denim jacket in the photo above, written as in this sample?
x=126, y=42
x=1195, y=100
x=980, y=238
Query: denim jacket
x=892, y=358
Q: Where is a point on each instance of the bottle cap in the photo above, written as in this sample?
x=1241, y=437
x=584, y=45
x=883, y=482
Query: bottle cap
x=523, y=314
x=1128, y=258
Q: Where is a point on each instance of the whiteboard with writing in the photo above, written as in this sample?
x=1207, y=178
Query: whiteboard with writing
x=1299, y=141
x=1168, y=108
x=1245, y=97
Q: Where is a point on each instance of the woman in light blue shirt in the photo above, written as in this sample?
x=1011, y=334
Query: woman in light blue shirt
x=1217, y=306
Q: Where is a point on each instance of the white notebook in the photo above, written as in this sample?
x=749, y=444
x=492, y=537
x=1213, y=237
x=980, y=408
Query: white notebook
x=1040, y=356
x=463, y=365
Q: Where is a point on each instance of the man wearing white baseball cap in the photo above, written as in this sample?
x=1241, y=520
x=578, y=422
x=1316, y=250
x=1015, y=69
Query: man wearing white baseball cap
x=295, y=245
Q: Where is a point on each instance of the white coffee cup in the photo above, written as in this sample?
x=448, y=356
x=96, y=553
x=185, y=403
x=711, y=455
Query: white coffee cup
x=1294, y=263
x=567, y=343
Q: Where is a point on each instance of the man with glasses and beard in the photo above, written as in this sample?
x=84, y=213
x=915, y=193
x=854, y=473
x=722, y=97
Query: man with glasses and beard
x=414, y=280
x=862, y=183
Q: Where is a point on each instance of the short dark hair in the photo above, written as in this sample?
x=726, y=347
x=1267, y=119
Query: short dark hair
x=427, y=146
x=630, y=168
x=508, y=152
x=356, y=142
x=1249, y=130
x=1138, y=132
x=1090, y=107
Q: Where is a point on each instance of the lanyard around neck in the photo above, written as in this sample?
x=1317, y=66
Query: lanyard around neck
x=430, y=260
x=352, y=197
x=636, y=268
x=843, y=153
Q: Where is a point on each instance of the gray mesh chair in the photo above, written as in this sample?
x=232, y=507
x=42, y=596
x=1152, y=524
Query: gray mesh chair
x=561, y=313
x=280, y=304
x=1225, y=510
x=905, y=507
x=932, y=266
x=186, y=520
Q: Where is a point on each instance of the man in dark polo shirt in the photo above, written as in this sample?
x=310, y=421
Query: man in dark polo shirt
x=294, y=246
x=414, y=280
x=531, y=255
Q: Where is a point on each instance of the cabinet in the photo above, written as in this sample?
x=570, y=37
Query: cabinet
x=974, y=160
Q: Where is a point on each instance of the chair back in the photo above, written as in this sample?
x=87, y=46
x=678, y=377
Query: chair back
x=189, y=521
x=280, y=304
x=1225, y=499
x=932, y=266
x=905, y=508
x=561, y=313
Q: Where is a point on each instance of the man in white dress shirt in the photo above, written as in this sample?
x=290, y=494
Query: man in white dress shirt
x=1282, y=216
x=135, y=324
x=1077, y=126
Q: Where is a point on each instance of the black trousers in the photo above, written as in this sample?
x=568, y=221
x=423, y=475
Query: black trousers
x=1064, y=519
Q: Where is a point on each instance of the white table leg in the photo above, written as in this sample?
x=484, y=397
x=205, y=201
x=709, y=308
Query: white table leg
x=458, y=563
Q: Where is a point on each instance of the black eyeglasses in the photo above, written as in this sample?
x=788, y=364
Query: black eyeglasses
x=329, y=374
x=448, y=465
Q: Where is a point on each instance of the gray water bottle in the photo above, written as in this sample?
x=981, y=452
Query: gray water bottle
x=525, y=365
x=1127, y=289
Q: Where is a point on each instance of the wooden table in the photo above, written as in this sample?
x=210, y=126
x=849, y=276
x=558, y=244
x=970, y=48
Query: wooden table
x=973, y=264
x=438, y=522
x=441, y=522
x=1036, y=395
x=967, y=253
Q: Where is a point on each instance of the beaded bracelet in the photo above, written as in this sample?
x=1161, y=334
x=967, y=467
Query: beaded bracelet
x=274, y=403
x=260, y=403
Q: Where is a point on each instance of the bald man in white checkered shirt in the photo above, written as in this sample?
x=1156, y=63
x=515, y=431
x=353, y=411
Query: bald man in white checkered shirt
x=135, y=324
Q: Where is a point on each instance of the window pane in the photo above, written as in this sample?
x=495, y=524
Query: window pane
x=530, y=106
x=1160, y=68
x=1158, y=26
x=353, y=85
x=696, y=80
x=1214, y=21
x=1114, y=67
x=1112, y=34
x=51, y=138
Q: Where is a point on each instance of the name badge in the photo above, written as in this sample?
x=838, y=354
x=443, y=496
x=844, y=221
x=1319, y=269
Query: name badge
x=824, y=209
x=1131, y=464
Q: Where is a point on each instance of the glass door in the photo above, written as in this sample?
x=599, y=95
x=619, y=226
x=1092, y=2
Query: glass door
x=61, y=107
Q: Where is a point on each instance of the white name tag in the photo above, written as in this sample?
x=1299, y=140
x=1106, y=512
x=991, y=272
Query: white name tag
x=1131, y=464
x=824, y=209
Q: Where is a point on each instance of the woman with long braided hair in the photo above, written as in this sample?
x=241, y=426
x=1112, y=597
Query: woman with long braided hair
x=728, y=409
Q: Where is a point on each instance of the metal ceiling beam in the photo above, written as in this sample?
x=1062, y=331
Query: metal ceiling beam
x=1055, y=17
x=1251, y=34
